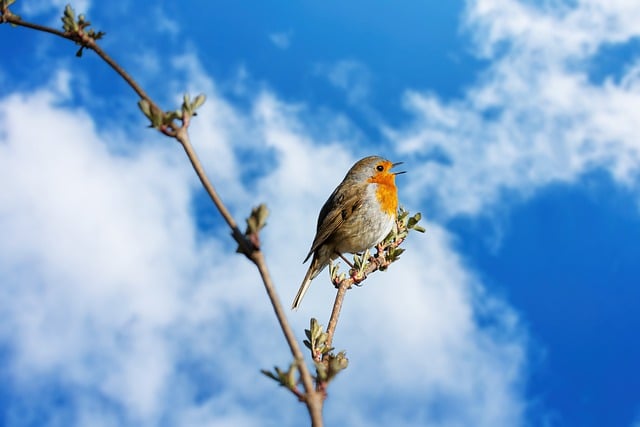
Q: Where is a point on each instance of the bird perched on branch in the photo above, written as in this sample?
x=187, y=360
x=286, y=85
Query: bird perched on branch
x=359, y=214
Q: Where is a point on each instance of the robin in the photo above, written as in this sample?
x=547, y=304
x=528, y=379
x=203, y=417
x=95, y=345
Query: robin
x=358, y=215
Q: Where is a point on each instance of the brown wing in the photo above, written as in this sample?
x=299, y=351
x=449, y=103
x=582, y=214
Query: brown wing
x=335, y=211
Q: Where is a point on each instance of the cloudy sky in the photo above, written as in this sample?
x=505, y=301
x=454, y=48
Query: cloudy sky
x=122, y=302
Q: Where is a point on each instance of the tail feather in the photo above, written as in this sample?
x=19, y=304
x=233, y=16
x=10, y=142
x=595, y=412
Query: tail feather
x=314, y=269
x=303, y=290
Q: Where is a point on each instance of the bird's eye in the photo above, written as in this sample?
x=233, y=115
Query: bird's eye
x=379, y=168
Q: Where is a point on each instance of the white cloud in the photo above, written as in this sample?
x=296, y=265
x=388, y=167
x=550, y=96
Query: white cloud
x=38, y=7
x=109, y=293
x=566, y=28
x=82, y=257
x=281, y=40
x=535, y=116
x=165, y=23
x=350, y=76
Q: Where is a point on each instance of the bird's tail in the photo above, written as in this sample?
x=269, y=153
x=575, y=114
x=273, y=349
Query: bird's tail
x=312, y=272
x=303, y=290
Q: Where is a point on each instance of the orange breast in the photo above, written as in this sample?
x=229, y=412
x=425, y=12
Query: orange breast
x=386, y=192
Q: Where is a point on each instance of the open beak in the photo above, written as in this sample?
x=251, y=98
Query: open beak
x=398, y=164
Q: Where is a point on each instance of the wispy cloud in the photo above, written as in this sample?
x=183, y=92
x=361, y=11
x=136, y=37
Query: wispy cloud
x=165, y=23
x=38, y=7
x=281, y=40
x=535, y=117
x=350, y=76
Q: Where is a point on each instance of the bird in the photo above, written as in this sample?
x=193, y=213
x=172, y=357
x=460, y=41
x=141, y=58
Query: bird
x=358, y=215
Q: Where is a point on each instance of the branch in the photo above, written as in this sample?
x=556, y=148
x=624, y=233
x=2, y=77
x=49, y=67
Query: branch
x=313, y=399
x=387, y=252
x=81, y=37
x=337, y=306
x=175, y=124
x=183, y=137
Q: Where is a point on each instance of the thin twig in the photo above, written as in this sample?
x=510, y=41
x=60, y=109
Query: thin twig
x=256, y=256
x=337, y=306
x=89, y=43
x=14, y=20
x=118, y=69
x=183, y=137
x=374, y=263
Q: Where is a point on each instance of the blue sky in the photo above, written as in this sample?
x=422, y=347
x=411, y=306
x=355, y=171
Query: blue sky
x=122, y=302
